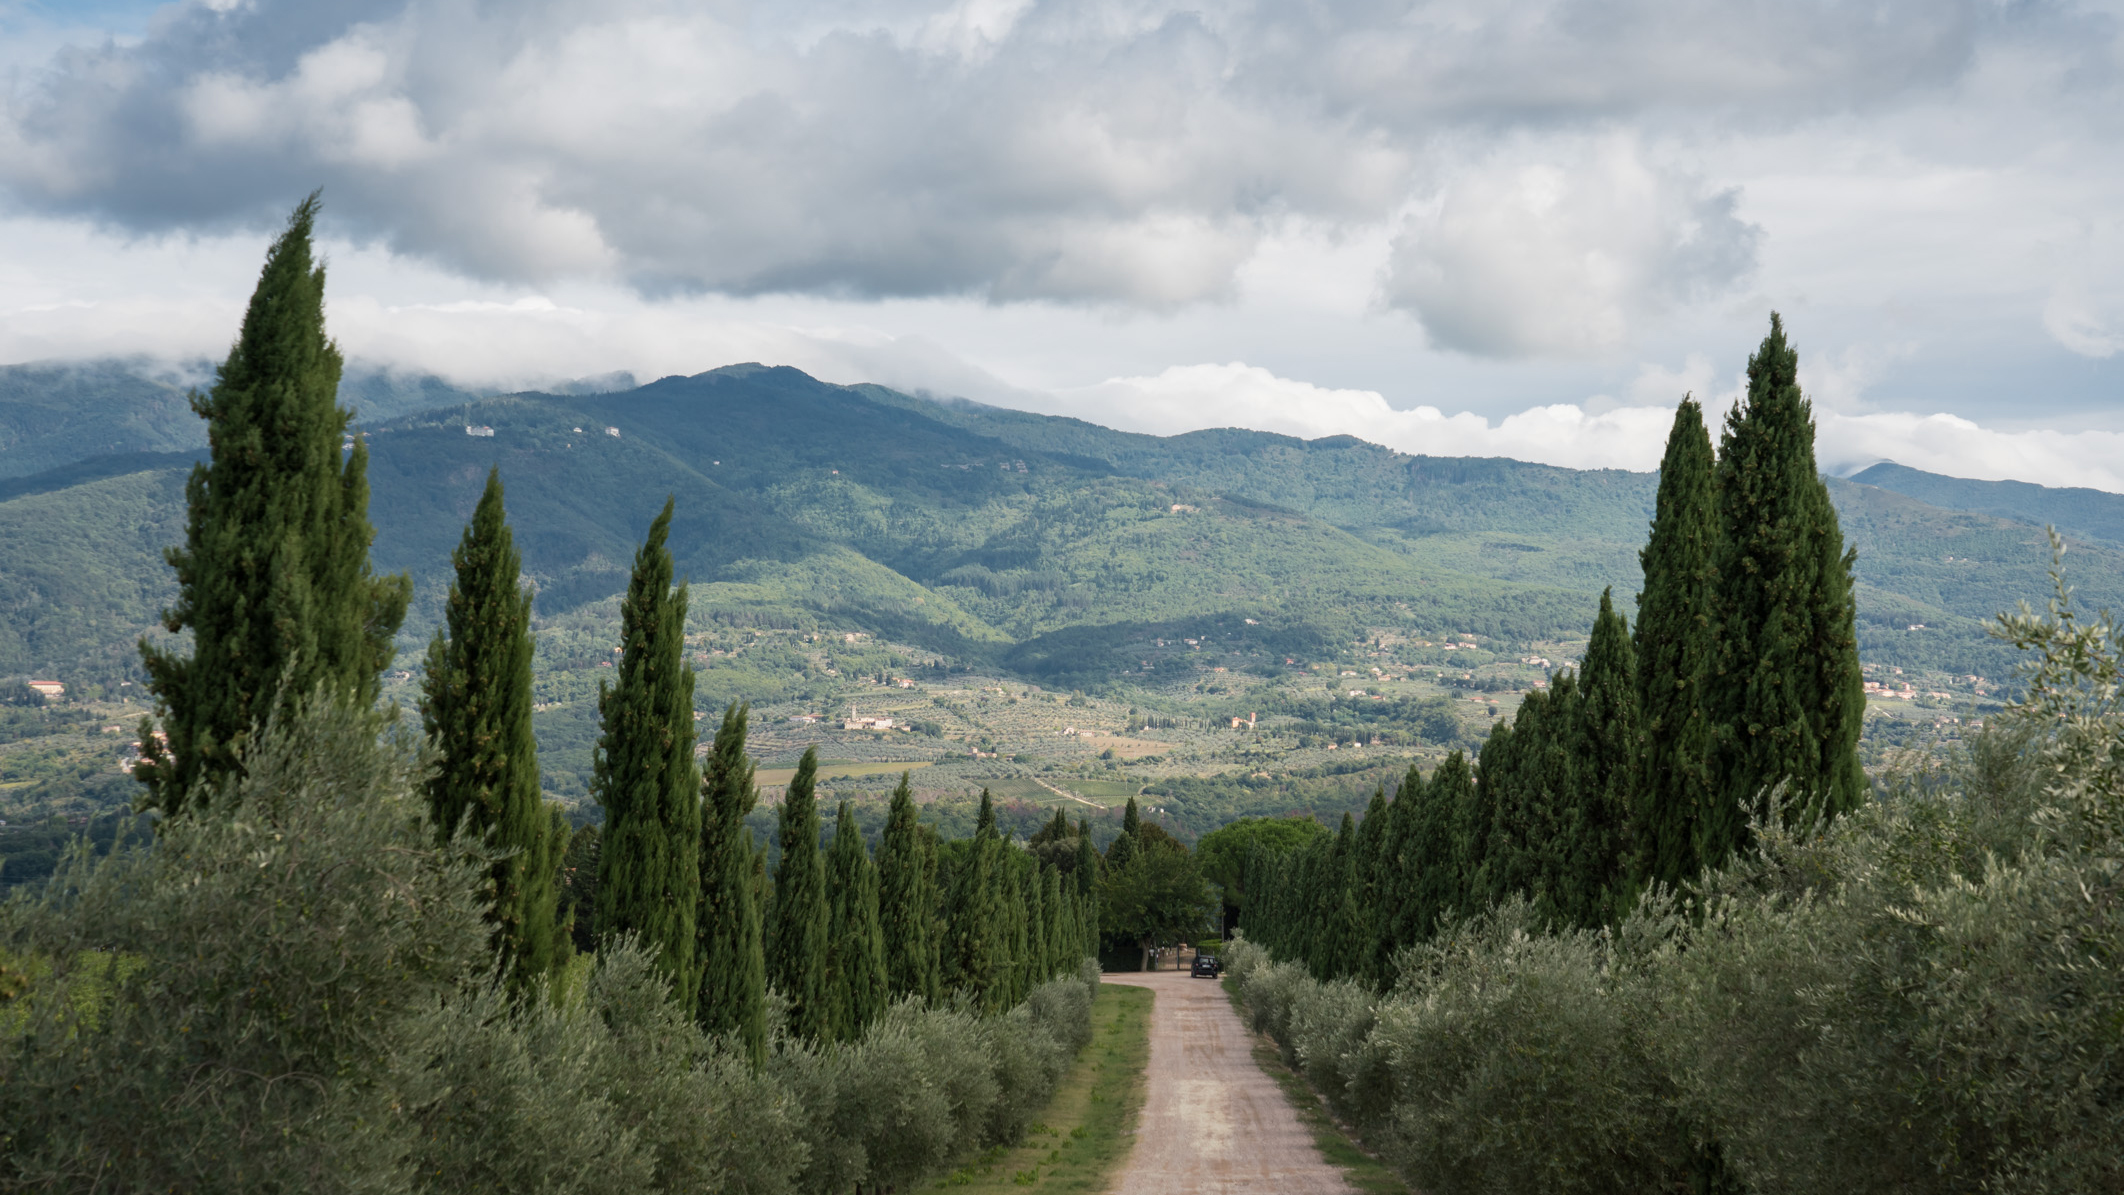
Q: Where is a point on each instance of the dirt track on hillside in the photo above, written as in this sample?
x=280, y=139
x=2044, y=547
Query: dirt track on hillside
x=1212, y=1121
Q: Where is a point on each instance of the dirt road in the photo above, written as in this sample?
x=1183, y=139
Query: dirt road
x=1212, y=1122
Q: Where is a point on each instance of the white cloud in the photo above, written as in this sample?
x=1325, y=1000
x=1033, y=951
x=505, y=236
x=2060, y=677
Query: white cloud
x=1011, y=150
x=1564, y=250
x=1573, y=435
x=1190, y=397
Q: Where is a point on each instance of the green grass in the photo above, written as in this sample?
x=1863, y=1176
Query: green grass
x=1104, y=791
x=1086, y=1132
x=774, y=776
x=1364, y=1172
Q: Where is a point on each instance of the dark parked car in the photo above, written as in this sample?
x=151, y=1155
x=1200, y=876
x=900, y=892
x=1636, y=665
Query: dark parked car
x=1207, y=967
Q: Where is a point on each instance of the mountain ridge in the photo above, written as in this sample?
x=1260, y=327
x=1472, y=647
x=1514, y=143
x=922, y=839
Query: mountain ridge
x=1045, y=545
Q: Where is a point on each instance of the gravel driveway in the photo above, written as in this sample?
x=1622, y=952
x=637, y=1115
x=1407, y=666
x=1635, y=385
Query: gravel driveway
x=1212, y=1121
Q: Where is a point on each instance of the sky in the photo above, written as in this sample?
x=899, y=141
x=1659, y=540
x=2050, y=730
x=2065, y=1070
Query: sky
x=1460, y=227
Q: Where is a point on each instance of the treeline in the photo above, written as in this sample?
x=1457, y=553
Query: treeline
x=296, y=991
x=1738, y=699
x=406, y=1000
x=1152, y=893
x=1396, y=721
x=1920, y=997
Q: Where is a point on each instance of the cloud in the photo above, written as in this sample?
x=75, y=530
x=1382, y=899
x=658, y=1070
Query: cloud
x=1575, y=435
x=1539, y=253
x=1072, y=151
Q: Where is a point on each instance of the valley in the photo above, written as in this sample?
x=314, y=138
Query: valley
x=1058, y=612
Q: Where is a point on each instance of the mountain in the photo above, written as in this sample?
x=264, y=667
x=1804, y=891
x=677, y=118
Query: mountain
x=2093, y=513
x=1050, y=548
x=55, y=413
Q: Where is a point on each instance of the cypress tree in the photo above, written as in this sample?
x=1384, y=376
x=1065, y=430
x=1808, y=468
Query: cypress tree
x=1341, y=943
x=1505, y=865
x=1597, y=886
x=733, y=990
x=972, y=950
x=476, y=707
x=855, y=955
x=796, y=940
x=1010, y=901
x=273, y=579
x=1125, y=844
x=1055, y=956
x=1087, y=878
x=1472, y=819
x=1438, y=846
x=578, y=888
x=905, y=900
x=1677, y=641
x=1790, y=699
x=1371, y=885
x=1403, y=917
x=649, y=875
x=560, y=844
x=939, y=927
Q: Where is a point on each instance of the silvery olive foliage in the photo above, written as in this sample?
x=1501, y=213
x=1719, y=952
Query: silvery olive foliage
x=293, y=989
x=1922, y=996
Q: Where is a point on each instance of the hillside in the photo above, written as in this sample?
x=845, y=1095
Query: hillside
x=2081, y=512
x=1049, y=548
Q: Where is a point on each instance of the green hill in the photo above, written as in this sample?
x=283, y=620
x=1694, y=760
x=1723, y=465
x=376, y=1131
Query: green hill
x=2085, y=512
x=1051, y=548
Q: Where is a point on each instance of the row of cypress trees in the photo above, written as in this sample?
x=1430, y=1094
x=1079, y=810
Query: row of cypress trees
x=276, y=587
x=838, y=934
x=1739, y=696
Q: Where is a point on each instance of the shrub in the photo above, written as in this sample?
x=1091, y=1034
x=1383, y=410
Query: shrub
x=292, y=989
x=1923, y=996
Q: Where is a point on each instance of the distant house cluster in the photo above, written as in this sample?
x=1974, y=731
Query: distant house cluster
x=50, y=690
x=479, y=429
x=867, y=724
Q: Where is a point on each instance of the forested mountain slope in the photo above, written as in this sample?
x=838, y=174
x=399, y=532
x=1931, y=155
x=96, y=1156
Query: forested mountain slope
x=1050, y=547
x=2084, y=512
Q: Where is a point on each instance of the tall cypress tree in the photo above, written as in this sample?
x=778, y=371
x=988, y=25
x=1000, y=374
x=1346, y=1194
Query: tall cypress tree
x=649, y=874
x=273, y=579
x=905, y=900
x=939, y=925
x=855, y=955
x=1439, y=845
x=476, y=706
x=1596, y=886
x=1404, y=918
x=1677, y=640
x=1371, y=887
x=1056, y=901
x=796, y=942
x=1086, y=875
x=1010, y=901
x=733, y=989
x=1790, y=699
x=560, y=838
x=1472, y=819
x=974, y=950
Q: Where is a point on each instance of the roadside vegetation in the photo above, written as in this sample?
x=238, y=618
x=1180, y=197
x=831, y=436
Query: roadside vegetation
x=1086, y=1132
x=1918, y=996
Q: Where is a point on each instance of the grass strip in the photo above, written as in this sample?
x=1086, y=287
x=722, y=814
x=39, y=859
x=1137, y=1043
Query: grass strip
x=1087, y=1129
x=1364, y=1172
